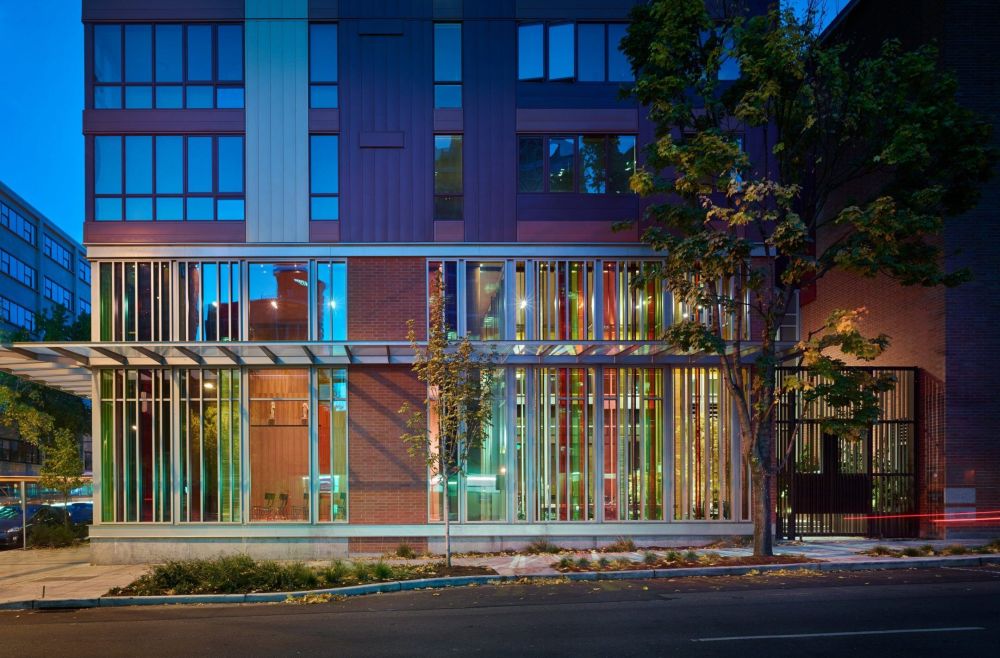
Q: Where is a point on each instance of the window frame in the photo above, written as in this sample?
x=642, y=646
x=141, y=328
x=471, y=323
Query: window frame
x=578, y=186
x=459, y=83
x=452, y=195
x=18, y=270
x=324, y=195
x=334, y=84
x=546, y=26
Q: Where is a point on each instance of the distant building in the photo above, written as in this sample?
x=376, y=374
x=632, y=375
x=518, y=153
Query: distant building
x=40, y=267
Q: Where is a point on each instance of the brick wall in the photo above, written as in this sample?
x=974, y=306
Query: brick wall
x=386, y=484
x=382, y=294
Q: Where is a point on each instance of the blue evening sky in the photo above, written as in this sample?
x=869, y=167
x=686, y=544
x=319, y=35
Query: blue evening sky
x=41, y=153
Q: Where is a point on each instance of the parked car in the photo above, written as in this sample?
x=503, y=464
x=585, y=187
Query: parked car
x=11, y=530
x=81, y=513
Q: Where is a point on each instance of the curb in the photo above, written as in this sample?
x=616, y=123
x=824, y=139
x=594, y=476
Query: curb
x=462, y=581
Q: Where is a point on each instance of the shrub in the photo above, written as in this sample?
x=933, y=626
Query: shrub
x=565, y=563
x=583, y=563
x=542, y=546
x=649, y=557
x=882, y=550
x=382, y=571
x=691, y=556
x=673, y=556
x=622, y=545
x=335, y=573
x=927, y=549
x=955, y=549
x=51, y=536
x=362, y=571
x=405, y=551
x=912, y=551
x=603, y=562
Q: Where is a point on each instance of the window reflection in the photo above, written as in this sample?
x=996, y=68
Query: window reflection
x=530, y=40
x=484, y=300
x=323, y=65
x=561, y=164
x=702, y=446
x=135, y=301
x=561, y=52
x=564, y=457
x=448, y=184
x=633, y=444
x=331, y=301
x=209, y=301
x=332, y=431
x=279, y=301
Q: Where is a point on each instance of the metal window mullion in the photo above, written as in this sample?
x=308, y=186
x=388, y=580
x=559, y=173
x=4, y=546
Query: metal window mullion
x=312, y=513
x=599, y=399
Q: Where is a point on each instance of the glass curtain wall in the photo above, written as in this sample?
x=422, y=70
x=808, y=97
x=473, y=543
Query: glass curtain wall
x=279, y=301
x=484, y=300
x=732, y=323
x=135, y=445
x=486, y=484
x=331, y=425
x=331, y=301
x=564, y=444
x=564, y=300
x=135, y=301
x=631, y=311
x=211, y=460
x=209, y=301
x=633, y=444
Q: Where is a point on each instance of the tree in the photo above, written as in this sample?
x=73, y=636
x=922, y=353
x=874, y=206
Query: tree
x=62, y=466
x=458, y=405
x=864, y=160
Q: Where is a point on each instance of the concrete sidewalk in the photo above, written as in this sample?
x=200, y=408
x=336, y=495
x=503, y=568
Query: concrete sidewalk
x=67, y=573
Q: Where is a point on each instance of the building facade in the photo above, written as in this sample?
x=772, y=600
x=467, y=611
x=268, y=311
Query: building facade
x=40, y=267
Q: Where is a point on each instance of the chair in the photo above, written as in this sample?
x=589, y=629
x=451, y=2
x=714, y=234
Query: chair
x=282, y=510
x=302, y=512
x=265, y=511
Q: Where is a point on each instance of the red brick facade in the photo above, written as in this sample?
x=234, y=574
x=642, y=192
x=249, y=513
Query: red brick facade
x=382, y=294
x=387, y=485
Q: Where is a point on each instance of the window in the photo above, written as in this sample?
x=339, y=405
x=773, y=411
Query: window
x=448, y=177
x=209, y=297
x=331, y=301
x=16, y=314
x=478, y=309
x=17, y=224
x=55, y=293
x=447, y=65
x=331, y=409
x=279, y=301
x=168, y=177
x=324, y=177
x=323, y=65
x=632, y=311
x=83, y=270
x=16, y=268
x=447, y=273
x=57, y=252
x=167, y=66
x=564, y=300
x=135, y=301
x=585, y=52
x=729, y=66
x=588, y=164
x=84, y=307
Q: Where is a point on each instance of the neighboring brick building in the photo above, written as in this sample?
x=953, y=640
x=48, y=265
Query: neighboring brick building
x=947, y=334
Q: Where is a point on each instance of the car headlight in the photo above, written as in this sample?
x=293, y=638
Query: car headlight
x=13, y=530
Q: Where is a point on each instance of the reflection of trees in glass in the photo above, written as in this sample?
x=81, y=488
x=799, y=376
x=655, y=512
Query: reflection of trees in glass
x=621, y=163
x=593, y=164
x=561, y=164
x=530, y=165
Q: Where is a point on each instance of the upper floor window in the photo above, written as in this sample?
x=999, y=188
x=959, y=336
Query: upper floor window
x=84, y=307
x=282, y=294
x=166, y=66
x=586, y=52
x=324, y=177
x=83, y=270
x=590, y=164
x=323, y=65
x=168, y=177
x=57, y=294
x=448, y=186
x=54, y=250
x=447, y=65
x=16, y=314
x=14, y=267
x=17, y=224
x=475, y=287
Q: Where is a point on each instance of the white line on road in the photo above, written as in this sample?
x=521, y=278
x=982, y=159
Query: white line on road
x=953, y=629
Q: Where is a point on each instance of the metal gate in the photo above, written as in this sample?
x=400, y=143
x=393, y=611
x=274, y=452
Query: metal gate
x=844, y=486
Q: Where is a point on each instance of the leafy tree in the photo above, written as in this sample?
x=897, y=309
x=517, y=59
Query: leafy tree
x=864, y=160
x=62, y=466
x=460, y=394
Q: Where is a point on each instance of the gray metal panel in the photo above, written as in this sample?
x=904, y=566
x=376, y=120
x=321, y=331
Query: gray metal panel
x=277, y=114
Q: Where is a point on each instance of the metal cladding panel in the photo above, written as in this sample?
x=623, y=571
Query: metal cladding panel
x=277, y=118
x=490, y=155
x=386, y=99
x=161, y=10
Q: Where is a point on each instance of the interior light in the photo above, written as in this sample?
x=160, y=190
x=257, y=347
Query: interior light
x=523, y=303
x=215, y=304
x=209, y=386
x=274, y=303
x=333, y=303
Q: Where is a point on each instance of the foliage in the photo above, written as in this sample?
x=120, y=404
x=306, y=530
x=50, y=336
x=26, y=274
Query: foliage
x=62, y=466
x=405, y=551
x=459, y=385
x=541, y=546
x=621, y=545
x=52, y=536
x=868, y=157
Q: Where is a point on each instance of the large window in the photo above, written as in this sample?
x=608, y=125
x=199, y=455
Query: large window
x=588, y=164
x=447, y=65
x=17, y=269
x=17, y=224
x=209, y=299
x=564, y=300
x=324, y=177
x=57, y=294
x=135, y=301
x=83, y=270
x=17, y=315
x=167, y=66
x=279, y=301
x=323, y=65
x=168, y=177
x=448, y=186
x=634, y=308
x=211, y=463
x=57, y=252
x=332, y=432
x=633, y=444
x=135, y=446
x=564, y=444
x=279, y=445
x=331, y=301
x=585, y=52
x=474, y=297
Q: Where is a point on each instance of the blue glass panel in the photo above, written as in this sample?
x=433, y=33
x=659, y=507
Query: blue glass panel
x=323, y=52
x=323, y=96
x=229, y=97
x=447, y=165
x=230, y=52
x=593, y=164
x=200, y=208
x=729, y=67
x=530, y=64
x=331, y=304
x=169, y=164
x=138, y=98
x=169, y=98
x=108, y=53
x=561, y=52
x=138, y=53
x=168, y=53
x=169, y=208
x=138, y=164
x=108, y=98
x=199, y=52
x=230, y=209
x=323, y=164
x=561, y=164
x=108, y=166
x=199, y=161
x=325, y=208
x=200, y=97
x=447, y=52
x=230, y=164
x=108, y=209
x=619, y=70
x=590, y=41
x=530, y=165
x=622, y=165
x=139, y=208
x=447, y=96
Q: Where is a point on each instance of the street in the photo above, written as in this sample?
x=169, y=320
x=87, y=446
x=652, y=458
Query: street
x=915, y=612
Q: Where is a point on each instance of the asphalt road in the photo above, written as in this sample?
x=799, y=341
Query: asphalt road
x=954, y=611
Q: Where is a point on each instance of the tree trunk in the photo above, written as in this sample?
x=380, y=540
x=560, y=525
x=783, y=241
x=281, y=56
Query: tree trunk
x=447, y=526
x=66, y=510
x=763, y=510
